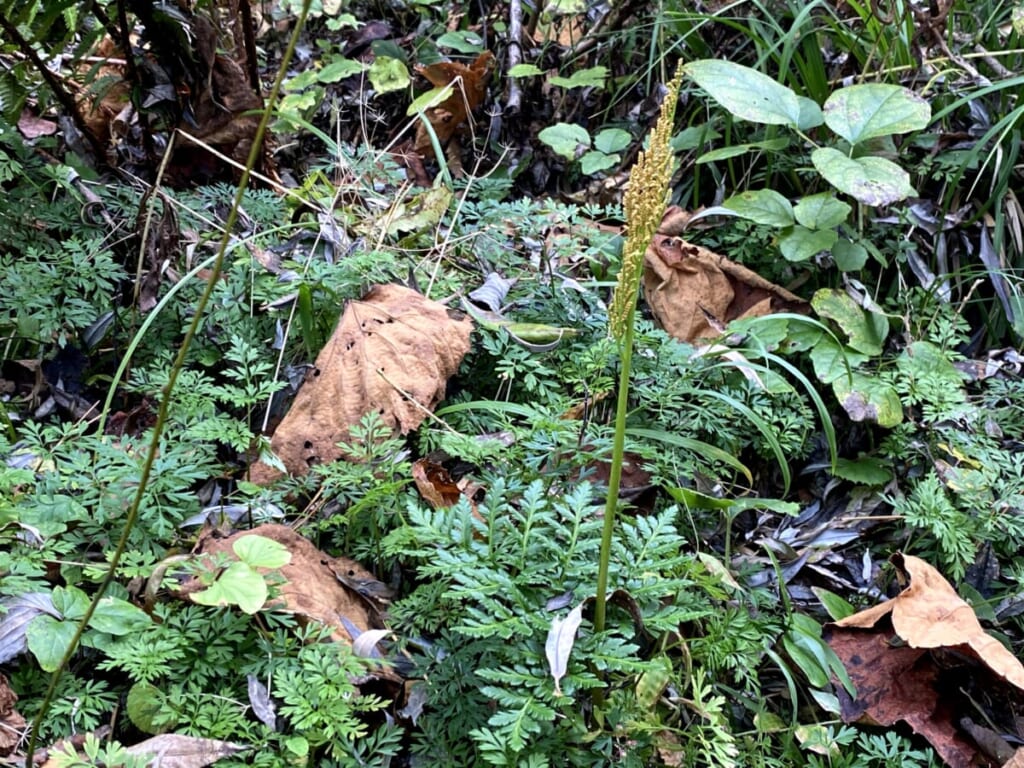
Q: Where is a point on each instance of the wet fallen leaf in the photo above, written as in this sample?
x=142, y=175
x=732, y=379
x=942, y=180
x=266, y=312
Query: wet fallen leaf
x=392, y=352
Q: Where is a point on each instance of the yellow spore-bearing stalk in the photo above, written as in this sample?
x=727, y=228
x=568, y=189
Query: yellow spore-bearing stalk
x=644, y=203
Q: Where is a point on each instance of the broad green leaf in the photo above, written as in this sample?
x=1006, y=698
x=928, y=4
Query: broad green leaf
x=49, y=639
x=849, y=256
x=592, y=77
x=821, y=211
x=429, y=99
x=838, y=608
x=339, y=69
x=801, y=650
x=810, y=114
x=565, y=138
x=594, y=162
x=745, y=92
x=118, y=617
x=868, y=398
x=461, y=41
x=143, y=706
x=261, y=552
x=70, y=602
x=865, y=330
x=862, y=112
x=387, y=75
x=870, y=180
x=769, y=145
x=525, y=70
x=802, y=336
x=238, y=585
x=866, y=470
x=763, y=206
x=422, y=212
x=612, y=140
x=693, y=137
x=831, y=361
x=800, y=243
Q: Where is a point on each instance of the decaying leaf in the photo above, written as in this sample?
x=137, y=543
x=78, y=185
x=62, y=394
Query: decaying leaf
x=12, y=724
x=469, y=87
x=392, y=352
x=694, y=292
x=901, y=655
x=311, y=587
x=175, y=750
x=558, y=646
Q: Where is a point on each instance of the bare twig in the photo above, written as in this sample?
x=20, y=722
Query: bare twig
x=515, y=55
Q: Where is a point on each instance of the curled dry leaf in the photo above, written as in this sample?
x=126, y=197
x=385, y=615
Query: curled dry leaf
x=175, y=750
x=470, y=86
x=694, y=292
x=392, y=352
x=898, y=656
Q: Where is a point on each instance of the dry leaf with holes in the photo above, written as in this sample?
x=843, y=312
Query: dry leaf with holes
x=694, y=292
x=469, y=85
x=393, y=353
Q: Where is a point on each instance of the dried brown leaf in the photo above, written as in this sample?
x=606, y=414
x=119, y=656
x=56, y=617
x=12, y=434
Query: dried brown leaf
x=392, y=352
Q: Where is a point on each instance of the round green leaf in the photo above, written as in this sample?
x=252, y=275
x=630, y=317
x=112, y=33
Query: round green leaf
x=822, y=211
x=461, y=41
x=810, y=114
x=863, y=112
x=762, y=206
x=565, y=138
x=849, y=257
x=831, y=361
x=49, y=639
x=871, y=180
x=239, y=585
x=612, y=140
x=339, y=69
x=868, y=398
x=592, y=77
x=261, y=552
x=525, y=70
x=594, y=162
x=866, y=470
x=745, y=92
x=118, y=617
x=143, y=706
x=801, y=244
x=865, y=330
x=387, y=75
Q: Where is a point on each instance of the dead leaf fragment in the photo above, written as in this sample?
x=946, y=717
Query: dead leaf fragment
x=694, y=292
x=470, y=86
x=12, y=724
x=392, y=352
x=558, y=646
x=909, y=657
x=174, y=750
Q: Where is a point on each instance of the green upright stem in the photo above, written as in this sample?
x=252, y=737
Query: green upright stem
x=614, y=476
x=172, y=378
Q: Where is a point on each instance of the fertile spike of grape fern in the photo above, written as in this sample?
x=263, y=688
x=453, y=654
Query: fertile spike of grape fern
x=644, y=203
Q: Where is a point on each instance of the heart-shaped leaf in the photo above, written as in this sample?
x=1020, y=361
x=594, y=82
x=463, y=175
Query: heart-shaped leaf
x=746, y=93
x=871, y=180
x=863, y=112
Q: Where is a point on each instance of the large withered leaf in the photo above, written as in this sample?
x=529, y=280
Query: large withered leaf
x=470, y=84
x=694, y=292
x=392, y=352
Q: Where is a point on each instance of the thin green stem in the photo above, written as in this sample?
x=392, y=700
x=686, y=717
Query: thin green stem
x=614, y=476
x=172, y=378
